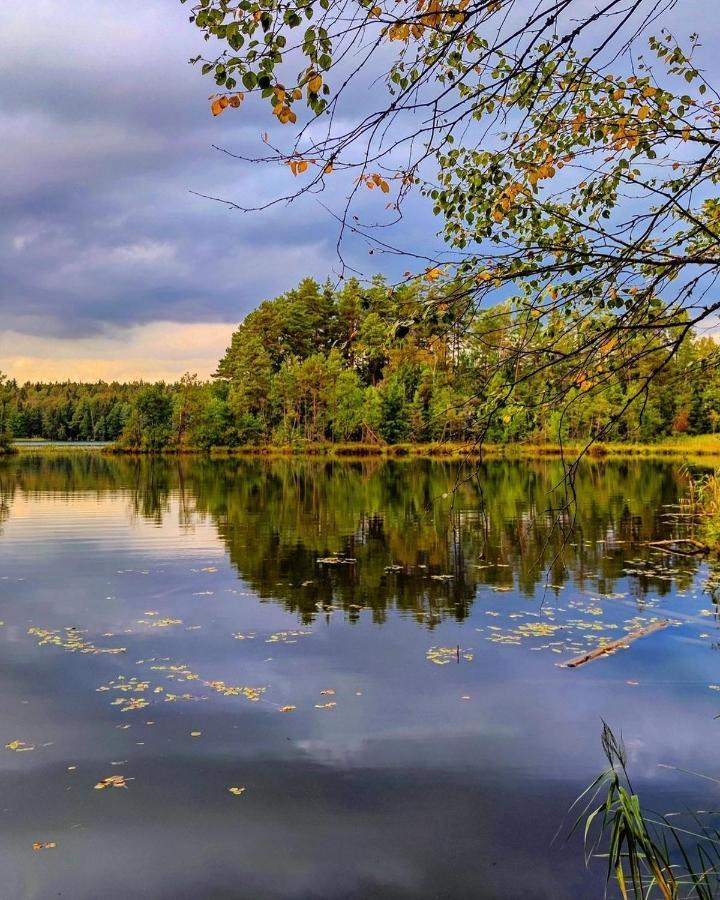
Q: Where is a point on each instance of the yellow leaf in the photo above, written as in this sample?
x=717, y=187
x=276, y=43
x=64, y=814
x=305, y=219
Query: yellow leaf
x=18, y=746
x=237, y=790
x=375, y=11
x=643, y=113
x=286, y=709
x=116, y=781
x=216, y=107
x=315, y=83
x=195, y=733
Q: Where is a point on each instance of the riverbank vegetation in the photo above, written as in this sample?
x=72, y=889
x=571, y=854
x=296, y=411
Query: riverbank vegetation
x=703, y=506
x=6, y=444
x=648, y=855
x=322, y=370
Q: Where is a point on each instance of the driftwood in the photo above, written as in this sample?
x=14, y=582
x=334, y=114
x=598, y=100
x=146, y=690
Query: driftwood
x=689, y=547
x=607, y=649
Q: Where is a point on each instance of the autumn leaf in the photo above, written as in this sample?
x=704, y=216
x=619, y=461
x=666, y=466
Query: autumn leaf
x=115, y=781
x=18, y=746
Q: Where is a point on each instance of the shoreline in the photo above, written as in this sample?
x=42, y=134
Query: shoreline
x=701, y=446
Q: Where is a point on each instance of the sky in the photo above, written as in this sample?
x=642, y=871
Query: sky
x=109, y=266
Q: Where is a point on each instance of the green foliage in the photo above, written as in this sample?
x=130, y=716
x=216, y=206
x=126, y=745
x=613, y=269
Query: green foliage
x=66, y=411
x=570, y=155
x=292, y=375
x=448, y=376
x=6, y=443
x=647, y=857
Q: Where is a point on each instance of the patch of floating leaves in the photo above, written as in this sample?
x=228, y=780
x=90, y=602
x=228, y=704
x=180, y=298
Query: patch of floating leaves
x=130, y=703
x=177, y=673
x=44, y=845
x=230, y=690
x=441, y=656
x=286, y=637
x=70, y=639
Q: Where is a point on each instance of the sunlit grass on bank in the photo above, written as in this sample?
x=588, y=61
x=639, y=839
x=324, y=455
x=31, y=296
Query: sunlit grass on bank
x=685, y=448
x=682, y=448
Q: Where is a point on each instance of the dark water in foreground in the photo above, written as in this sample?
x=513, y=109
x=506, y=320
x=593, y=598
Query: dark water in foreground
x=400, y=772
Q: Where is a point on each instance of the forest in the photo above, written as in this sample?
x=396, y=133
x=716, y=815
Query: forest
x=384, y=365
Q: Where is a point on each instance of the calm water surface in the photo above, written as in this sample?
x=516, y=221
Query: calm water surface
x=292, y=628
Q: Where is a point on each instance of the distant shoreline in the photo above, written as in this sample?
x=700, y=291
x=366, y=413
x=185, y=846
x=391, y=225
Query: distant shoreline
x=705, y=446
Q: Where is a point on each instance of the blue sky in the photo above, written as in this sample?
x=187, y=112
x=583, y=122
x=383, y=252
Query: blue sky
x=109, y=265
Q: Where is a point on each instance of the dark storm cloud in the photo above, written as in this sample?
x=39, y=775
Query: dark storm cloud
x=106, y=130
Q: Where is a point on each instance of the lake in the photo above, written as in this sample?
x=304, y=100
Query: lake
x=366, y=653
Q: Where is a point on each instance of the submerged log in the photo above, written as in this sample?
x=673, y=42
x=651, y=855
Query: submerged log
x=610, y=648
x=681, y=547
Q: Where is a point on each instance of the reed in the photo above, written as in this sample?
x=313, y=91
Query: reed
x=647, y=857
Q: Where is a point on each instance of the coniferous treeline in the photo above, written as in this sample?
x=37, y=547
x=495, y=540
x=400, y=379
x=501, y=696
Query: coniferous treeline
x=367, y=363
x=66, y=411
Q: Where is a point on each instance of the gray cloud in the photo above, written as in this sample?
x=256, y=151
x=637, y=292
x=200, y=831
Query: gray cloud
x=106, y=130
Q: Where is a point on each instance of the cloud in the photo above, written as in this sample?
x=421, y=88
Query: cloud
x=106, y=131
x=152, y=352
x=103, y=140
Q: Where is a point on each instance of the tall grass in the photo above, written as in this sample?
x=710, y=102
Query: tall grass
x=646, y=857
x=701, y=505
x=708, y=491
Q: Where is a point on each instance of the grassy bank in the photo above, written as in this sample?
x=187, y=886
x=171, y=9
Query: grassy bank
x=681, y=448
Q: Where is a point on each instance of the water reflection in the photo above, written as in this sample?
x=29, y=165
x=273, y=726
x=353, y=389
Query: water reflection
x=421, y=536
x=423, y=780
